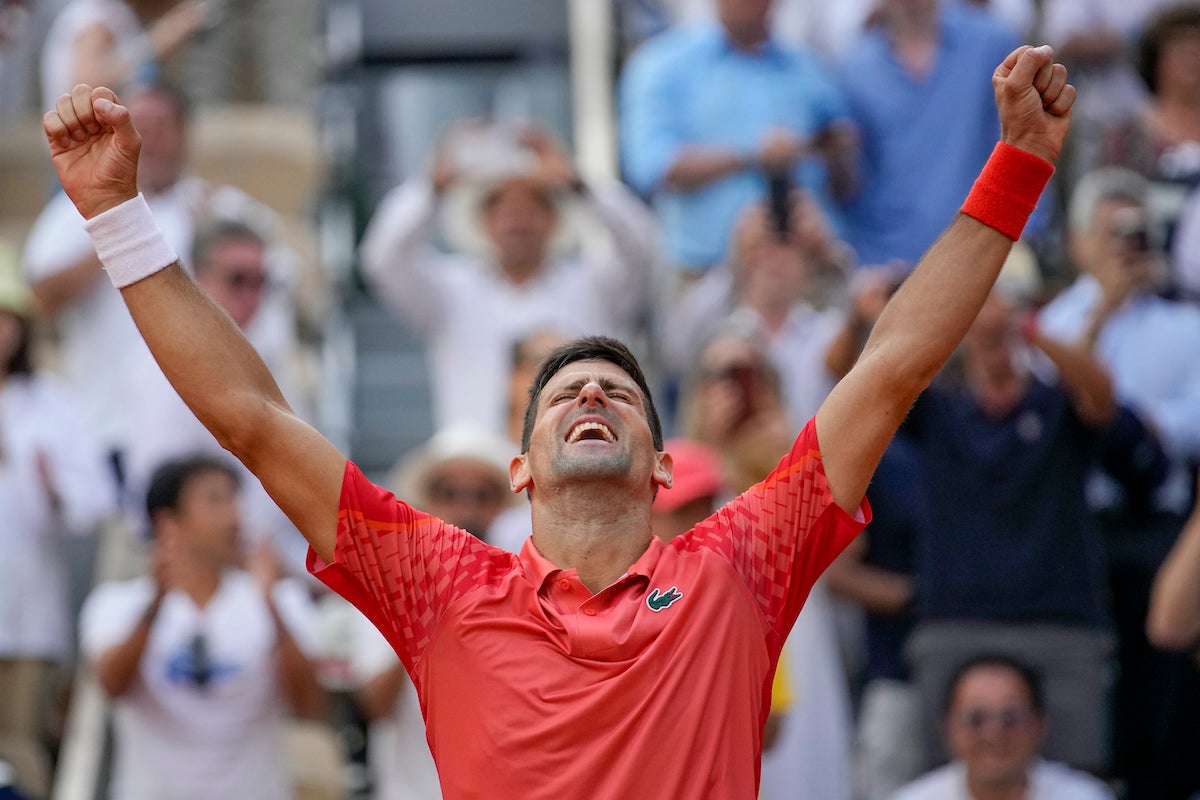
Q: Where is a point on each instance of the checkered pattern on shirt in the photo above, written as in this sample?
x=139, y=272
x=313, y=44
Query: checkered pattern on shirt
x=781, y=533
x=410, y=565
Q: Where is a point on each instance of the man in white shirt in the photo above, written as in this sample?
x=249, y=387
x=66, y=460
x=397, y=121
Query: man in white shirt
x=994, y=720
x=203, y=659
x=514, y=212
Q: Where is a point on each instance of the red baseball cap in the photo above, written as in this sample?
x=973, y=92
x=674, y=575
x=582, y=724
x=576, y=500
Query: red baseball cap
x=698, y=473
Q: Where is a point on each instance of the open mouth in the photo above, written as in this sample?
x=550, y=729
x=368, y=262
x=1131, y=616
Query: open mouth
x=590, y=430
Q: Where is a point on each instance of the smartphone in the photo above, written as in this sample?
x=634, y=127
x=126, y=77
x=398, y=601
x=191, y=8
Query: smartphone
x=779, y=201
x=745, y=378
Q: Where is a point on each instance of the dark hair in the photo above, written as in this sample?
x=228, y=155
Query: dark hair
x=172, y=477
x=21, y=362
x=1156, y=32
x=1027, y=674
x=589, y=348
x=214, y=231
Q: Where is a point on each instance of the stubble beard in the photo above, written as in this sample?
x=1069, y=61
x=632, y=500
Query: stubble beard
x=592, y=466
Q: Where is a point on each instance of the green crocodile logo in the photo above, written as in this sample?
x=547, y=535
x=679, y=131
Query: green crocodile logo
x=657, y=600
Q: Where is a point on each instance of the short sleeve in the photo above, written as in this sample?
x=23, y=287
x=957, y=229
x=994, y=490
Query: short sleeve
x=402, y=567
x=110, y=613
x=298, y=613
x=783, y=532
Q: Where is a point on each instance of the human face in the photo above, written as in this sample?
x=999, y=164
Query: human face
x=771, y=270
x=235, y=277
x=988, y=342
x=992, y=726
x=466, y=494
x=206, y=523
x=519, y=221
x=746, y=21
x=1115, y=249
x=163, y=140
x=590, y=425
x=1179, y=62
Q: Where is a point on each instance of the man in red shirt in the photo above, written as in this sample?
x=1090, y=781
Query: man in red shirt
x=599, y=662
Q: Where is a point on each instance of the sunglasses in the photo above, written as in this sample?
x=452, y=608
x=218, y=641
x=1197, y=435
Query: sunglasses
x=244, y=280
x=451, y=493
x=1007, y=719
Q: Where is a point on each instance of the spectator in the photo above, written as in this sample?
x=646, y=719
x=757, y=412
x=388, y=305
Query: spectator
x=922, y=66
x=1145, y=343
x=203, y=659
x=994, y=718
x=707, y=113
x=115, y=42
x=54, y=482
x=1095, y=38
x=1162, y=140
x=513, y=206
x=96, y=335
x=1005, y=460
x=230, y=260
x=778, y=284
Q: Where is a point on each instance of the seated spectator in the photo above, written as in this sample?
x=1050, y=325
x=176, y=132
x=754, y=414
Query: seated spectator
x=459, y=476
x=54, y=482
x=202, y=658
x=513, y=208
x=115, y=42
x=924, y=64
x=994, y=721
x=96, y=334
x=710, y=114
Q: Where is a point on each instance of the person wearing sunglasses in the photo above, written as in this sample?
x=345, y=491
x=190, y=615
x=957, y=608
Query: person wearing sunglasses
x=994, y=721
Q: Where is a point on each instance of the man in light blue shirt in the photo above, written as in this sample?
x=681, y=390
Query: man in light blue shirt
x=921, y=73
x=1149, y=345
x=707, y=111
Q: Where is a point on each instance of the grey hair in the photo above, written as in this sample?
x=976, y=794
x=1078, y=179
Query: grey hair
x=1100, y=186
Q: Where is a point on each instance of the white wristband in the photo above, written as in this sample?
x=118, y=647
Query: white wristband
x=129, y=243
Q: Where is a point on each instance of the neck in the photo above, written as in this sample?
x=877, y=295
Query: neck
x=519, y=270
x=996, y=387
x=1015, y=788
x=581, y=528
x=198, y=581
x=748, y=39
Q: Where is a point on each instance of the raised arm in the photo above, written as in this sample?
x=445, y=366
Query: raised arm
x=201, y=351
x=1174, y=619
x=928, y=316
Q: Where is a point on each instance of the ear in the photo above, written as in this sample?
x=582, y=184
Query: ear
x=519, y=478
x=664, y=470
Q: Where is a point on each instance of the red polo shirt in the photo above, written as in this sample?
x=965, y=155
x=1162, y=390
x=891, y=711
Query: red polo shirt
x=533, y=687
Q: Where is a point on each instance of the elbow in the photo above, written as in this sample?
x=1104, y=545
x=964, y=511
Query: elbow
x=1168, y=629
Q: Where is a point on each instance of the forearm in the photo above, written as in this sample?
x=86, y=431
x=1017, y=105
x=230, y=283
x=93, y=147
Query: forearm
x=1173, y=622
x=1084, y=379
x=378, y=696
x=698, y=166
x=204, y=355
x=116, y=667
x=56, y=292
x=297, y=676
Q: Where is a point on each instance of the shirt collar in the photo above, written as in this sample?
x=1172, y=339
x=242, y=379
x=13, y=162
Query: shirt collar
x=540, y=569
x=769, y=50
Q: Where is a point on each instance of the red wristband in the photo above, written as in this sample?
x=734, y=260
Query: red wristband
x=1006, y=192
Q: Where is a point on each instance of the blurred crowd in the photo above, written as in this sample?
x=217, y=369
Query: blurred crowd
x=1021, y=618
